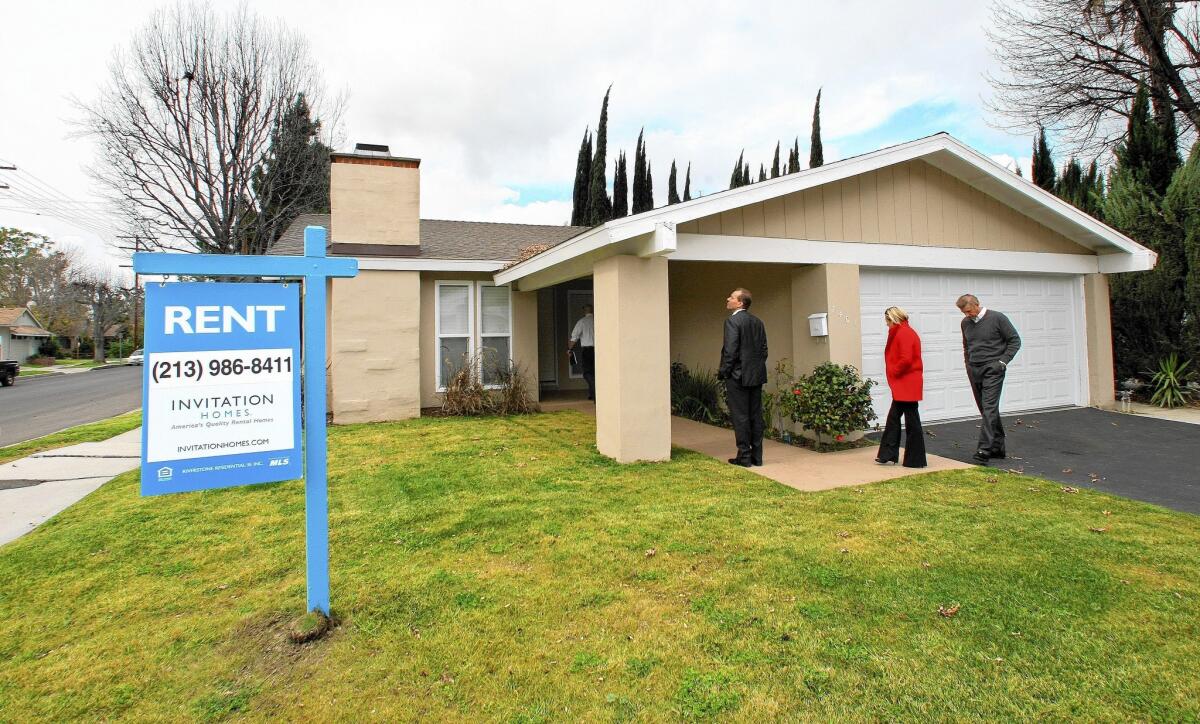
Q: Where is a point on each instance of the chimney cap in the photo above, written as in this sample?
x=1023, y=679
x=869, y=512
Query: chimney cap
x=373, y=151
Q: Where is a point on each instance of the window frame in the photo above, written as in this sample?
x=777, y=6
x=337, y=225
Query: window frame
x=480, y=333
x=437, y=324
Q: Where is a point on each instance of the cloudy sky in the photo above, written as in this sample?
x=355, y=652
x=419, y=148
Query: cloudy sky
x=494, y=97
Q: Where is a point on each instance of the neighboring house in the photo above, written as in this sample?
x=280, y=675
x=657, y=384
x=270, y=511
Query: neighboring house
x=913, y=225
x=20, y=334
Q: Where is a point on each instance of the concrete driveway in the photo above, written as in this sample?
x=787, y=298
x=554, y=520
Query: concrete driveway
x=1130, y=455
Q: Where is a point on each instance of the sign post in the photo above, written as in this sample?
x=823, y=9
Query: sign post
x=222, y=388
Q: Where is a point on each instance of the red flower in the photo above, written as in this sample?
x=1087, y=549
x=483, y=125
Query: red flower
x=841, y=437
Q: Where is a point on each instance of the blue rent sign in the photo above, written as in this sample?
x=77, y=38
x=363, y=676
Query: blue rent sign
x=221, y=387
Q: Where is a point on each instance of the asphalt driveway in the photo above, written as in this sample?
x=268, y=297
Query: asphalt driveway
x=1138, y=457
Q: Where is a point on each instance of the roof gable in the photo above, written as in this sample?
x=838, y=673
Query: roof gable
x=12, y=316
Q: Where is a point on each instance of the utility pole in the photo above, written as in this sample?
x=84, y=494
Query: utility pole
x=137, y=246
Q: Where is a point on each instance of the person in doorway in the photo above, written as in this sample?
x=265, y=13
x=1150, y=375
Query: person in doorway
x=990, y=341
x=583, y=341
x=905, y=376
x=744, y=370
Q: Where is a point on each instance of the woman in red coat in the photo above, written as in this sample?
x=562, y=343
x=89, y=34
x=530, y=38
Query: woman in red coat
x=902, y=357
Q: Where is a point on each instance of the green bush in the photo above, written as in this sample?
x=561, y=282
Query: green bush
x=833, y=401
x=697, y=395
x=1170, y=382
x=49, y=348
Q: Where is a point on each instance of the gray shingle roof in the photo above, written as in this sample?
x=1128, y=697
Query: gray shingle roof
x=442, y=239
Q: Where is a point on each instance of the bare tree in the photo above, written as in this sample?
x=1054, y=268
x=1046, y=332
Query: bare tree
x=1075, y=65
x=186, y=117
x=107, y=296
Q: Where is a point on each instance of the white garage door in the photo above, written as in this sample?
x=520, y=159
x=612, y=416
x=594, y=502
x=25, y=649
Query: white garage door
x=1046, y=310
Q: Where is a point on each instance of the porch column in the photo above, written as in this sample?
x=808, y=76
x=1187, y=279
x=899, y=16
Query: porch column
x=1098, y=324
x=834, y=289
x=633, y=358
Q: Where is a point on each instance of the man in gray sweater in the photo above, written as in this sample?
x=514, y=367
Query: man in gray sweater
x=989, y=344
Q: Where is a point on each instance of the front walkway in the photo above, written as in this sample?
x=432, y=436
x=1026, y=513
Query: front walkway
x=36, y=488
x=795, y=467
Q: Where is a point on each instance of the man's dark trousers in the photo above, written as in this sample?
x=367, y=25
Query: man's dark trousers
x=987, y=381
x=587, y=364
x=745, y=408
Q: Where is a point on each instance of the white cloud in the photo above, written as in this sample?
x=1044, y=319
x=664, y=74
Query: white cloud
x=494, y=97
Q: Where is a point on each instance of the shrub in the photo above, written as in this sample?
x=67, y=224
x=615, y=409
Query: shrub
x=467, y=396
x=697, y=395
x=1170, y=382
x=49, y=348
x=833, y=401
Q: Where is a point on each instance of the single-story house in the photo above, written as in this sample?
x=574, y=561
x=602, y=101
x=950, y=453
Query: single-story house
x=20, y=334
x=824, y=251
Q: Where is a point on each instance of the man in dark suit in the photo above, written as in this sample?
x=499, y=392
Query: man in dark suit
x=744, y=369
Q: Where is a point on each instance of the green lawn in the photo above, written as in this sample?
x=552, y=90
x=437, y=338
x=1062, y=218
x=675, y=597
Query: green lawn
x=33, y=372
x=502, y=570
x=91, y=432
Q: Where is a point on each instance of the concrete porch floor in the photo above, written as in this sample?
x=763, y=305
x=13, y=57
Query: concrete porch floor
x=795, y=467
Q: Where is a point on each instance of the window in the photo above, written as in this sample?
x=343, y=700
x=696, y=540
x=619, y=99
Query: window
x=461, y=330
x=495, y=332
x=453, y=328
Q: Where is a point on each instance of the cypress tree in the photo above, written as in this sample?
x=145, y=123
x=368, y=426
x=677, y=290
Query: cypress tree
x=648, y=200
x=687, y=183
x=735, y=178
x=1150, y=146
x=583, y=177
x=775, y=163
x=794, y=157
x=1182, y=209
x=599, y=205
x=1043, y=163
x=816, y=153
x=1070, y=185
x=620, y=189
x=762, y=173
x=641, y=176
x=672, y=186
x=746, y=174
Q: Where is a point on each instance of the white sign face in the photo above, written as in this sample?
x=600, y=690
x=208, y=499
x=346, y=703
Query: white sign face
x=224, y=402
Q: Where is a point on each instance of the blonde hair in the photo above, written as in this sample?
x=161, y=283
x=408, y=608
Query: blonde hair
x=895, y=315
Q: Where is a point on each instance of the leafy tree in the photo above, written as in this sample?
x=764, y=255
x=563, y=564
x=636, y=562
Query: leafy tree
x=292, y=179
x=599, y=205
x=620, y=189
x=672, y=186
x=583, y=177
x=1044, y=174
x=1181, y=209
x=1149, y=149
x=34, y=273
x=775, y=163
x=687, y=183
x=816, y=153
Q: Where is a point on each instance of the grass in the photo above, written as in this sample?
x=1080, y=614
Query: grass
x=91, y=432
x=33, y=372
x=501, y=570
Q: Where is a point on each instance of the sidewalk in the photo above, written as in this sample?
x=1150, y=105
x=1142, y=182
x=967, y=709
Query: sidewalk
x=36, y=488
x=793, y=466
x=1189, y=415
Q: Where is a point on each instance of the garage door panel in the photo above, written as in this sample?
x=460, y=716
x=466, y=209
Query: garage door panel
x=1043, y=308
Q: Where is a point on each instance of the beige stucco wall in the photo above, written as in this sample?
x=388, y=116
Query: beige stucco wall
x=524, y=332
x=633, y=399
x=909, y=203
x=374, y=373
x=1098, y=323
x=833, y=289
x=375, y=204
x=697, y=309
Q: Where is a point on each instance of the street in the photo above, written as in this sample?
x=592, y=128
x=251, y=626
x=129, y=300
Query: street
x=34, y=407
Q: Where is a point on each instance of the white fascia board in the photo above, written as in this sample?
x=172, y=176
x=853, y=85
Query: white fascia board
x=441, y=265
x=1117, y=263
x=709, y=247
x=569, y=249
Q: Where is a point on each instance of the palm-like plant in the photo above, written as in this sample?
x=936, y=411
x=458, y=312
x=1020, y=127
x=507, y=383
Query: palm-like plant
x=1170, y=382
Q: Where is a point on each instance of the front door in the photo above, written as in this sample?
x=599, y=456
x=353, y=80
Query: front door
x=577, y=299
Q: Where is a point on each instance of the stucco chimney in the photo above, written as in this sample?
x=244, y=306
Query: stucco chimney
x=375, y=198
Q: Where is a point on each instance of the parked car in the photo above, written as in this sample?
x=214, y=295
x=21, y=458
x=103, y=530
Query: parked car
x=8, y=372
x=137, y=358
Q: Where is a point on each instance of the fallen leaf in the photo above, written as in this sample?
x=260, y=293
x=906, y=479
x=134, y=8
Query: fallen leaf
x=930, y=433
x=844, y=550
x=1098, y=530
x=1068, y=471
x=650, y=552
x=1108, y=512
x=926, y=564
x=843, y=534
x=948, y=612
x=1069, y=489
x=992, y=479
